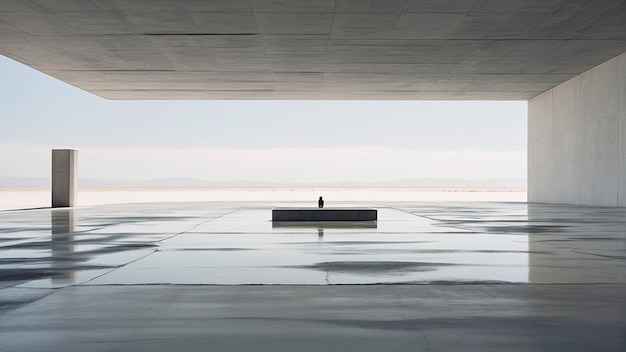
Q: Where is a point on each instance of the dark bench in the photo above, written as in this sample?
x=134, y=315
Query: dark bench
x=324, y=214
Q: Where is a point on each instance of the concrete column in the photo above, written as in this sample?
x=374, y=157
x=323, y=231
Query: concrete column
x=64, y=180
x=576, y=139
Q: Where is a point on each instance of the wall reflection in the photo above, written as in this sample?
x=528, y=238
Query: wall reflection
x=574, y=244
x=63, y=227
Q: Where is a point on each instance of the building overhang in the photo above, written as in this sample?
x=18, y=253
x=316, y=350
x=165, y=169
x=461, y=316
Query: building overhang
x=323, y=49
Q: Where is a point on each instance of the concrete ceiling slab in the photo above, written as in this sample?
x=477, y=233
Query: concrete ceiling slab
x=304, y=49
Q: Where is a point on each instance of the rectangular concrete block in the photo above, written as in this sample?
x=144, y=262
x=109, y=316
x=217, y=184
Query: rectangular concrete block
x=64, y=177
x=324, y=214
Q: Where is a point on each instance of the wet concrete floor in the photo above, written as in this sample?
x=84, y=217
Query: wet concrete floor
x=437, y=276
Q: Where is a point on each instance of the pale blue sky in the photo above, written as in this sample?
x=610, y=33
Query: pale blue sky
x=264, y=140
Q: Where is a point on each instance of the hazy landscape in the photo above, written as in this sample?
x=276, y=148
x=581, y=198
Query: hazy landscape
x=184, y=182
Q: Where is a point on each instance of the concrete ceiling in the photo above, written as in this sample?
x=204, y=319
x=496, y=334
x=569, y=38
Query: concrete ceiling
x=313, y=49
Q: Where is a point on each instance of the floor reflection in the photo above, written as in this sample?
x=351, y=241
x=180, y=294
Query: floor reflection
x=323, y=225
x=412, y=243
x=63, y=227
x=326, y=224
x=574, y=244
x=67, y=246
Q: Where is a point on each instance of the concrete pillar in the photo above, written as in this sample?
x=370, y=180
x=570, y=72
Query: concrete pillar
x=577, y=139
x=64, y=180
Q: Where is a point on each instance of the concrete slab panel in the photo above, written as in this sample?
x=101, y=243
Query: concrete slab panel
x=225, y=22
x=370, y=6
x=295, y=23
x=363, y=25
x=295, y=47
x=481, y=39
x=355, y=54
x=425, y=25
x=293, y=6
x=435, y=6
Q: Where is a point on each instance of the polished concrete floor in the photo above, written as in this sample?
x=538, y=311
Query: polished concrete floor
x=432, y=276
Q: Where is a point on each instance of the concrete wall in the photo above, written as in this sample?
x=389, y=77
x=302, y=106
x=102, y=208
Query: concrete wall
x=64, y=180
x=577, y=139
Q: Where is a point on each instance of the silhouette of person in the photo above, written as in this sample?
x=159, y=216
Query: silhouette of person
x=320, y=203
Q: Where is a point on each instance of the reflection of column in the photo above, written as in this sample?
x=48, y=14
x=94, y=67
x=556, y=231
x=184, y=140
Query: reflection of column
x=64, y=182
x=62, y=222
x=63, y=227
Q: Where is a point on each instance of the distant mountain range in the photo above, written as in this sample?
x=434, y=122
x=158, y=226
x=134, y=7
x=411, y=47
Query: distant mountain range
x=183, y=182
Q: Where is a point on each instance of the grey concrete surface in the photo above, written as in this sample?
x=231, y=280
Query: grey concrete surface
x=326, y=214
x=313, y=318
x=64, y=177
x=237, y=243
x=442, y=276
x=576, y=139
x=326, y=49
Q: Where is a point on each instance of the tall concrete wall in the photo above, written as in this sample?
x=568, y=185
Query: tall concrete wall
x=577, y=139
